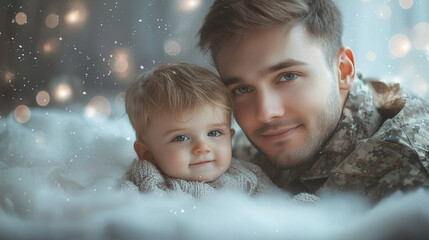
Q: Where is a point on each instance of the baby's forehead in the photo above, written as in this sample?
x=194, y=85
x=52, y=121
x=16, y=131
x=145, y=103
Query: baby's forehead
x=217, y=114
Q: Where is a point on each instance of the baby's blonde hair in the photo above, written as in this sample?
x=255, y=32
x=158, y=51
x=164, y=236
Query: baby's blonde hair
x=173, y=88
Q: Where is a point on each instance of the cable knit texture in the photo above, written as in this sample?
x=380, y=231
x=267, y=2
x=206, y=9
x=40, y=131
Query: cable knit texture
x=242, y=176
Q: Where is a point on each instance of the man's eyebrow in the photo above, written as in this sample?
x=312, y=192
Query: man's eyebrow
x=231, y=80
x=284, y=64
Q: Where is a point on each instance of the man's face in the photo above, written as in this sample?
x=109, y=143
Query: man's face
x=196, y=147
x=286, y=98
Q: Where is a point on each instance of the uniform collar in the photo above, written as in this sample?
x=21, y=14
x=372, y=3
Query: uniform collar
x=359, y=120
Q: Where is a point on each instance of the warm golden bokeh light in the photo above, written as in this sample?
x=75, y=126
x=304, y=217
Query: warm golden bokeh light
x=63, y=92
x=22, y=114
x=77, y=13
x=21, y=18
x=52, y=20
x=399, y=45
x=72, y=17
x=50, y=45
x=189, y=5
x=47, y=47
x=43, y=98
x=121, y=63
x=8, y=76
x=172, y=47
x=98, y=109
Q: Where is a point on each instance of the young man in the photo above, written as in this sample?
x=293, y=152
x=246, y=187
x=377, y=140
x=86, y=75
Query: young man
x=297, y=100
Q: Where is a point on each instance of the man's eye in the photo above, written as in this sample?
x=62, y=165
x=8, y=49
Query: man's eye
x=181, y=138
x=240, y=90
x=287, y=77
x=214, y=133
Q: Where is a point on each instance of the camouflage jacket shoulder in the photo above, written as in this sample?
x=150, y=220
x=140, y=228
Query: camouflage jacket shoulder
x=380, y=144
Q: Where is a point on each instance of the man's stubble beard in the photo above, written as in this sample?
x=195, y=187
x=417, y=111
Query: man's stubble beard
x=325, y=125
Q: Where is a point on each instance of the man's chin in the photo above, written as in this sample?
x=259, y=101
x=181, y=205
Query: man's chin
x=289, y=159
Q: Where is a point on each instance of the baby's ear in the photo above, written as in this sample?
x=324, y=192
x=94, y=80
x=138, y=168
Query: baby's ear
x=143, y=151
x=232, y=132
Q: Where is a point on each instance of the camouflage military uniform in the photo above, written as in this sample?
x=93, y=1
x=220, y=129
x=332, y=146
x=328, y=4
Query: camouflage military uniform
x=380, y=144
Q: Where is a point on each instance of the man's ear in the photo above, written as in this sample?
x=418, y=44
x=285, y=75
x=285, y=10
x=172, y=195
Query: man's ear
x=143, y=151
x=346, y=69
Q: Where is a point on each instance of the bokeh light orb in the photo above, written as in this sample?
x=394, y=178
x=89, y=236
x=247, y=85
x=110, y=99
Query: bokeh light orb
x=189, y=5
x=77, y=14
x=43, y=98
x=63, y=92
x=371, y=56
x=52, y=20
x=50, y=46
x=399, y=45
x=421, y=36
x=21, y=18
x=8, y=76
x=120, y=99
x=384, y=11
x=98, y=109
x=172, y=47
x=72, y=17
x=121, y=65
x=22, y=114
x=406, y=4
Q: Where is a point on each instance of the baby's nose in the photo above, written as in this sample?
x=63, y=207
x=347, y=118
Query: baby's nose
x=201, y=148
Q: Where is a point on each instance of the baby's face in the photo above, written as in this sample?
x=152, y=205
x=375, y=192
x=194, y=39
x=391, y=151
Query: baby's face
x=198, y=148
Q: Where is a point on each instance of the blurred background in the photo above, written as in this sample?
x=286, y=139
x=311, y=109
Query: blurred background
x=79, y=55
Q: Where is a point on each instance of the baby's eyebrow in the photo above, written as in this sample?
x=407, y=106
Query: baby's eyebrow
x=223, y=124
x=169, y=132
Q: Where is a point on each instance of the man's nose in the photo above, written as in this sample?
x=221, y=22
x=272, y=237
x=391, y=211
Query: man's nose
x=270, y=106
x=201, y=147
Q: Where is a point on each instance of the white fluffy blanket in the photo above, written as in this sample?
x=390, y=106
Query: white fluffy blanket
x=58, y=174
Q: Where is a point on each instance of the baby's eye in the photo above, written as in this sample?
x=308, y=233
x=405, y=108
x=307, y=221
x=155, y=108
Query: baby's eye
x=181, y=138
x=288, y=76
x=214, y=133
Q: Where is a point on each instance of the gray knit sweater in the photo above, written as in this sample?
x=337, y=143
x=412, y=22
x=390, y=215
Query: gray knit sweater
x=242, y=176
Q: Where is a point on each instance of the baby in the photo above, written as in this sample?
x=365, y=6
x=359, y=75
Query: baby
x=182, y=117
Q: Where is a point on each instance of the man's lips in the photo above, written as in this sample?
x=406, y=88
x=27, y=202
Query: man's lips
x=279, y=134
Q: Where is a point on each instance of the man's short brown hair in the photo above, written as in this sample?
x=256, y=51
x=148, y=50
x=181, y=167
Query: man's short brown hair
x=173, y=88
x=230, y=18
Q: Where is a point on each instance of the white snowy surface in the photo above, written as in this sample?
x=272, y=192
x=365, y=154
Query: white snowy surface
x=58, y=174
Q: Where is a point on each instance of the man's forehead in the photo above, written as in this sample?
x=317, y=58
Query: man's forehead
x=264, y=47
